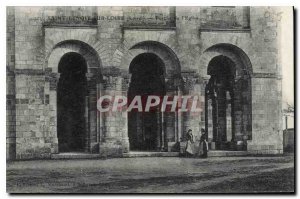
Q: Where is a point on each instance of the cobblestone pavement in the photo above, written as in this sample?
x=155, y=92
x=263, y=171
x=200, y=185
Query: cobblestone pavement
x=153, y=175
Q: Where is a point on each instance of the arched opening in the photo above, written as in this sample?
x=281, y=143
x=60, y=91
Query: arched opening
x=228, y=105
x=71, y=92
x=145, y=128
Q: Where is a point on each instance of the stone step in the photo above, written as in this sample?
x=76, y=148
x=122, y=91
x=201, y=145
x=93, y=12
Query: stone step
x=133, y=154
x=75, y=155
x=219, y=153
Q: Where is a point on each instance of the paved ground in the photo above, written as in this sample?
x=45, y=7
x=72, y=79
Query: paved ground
x=155, y=175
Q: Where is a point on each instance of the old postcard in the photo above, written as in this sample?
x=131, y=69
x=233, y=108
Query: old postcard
x=150, y=99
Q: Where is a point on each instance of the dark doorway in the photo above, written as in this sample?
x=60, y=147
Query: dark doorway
x=145, y=128
x=221, y=97
x=71, y=92
x=228, y=105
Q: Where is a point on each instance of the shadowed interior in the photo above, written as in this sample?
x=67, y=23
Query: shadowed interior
x=144, y=128
x=71, y=92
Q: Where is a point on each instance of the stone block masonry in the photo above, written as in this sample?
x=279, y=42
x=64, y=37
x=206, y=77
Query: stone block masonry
x=184, y=44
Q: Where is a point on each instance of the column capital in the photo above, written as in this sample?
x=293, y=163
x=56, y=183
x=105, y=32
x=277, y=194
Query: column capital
x=93, y=77
x=53, y=79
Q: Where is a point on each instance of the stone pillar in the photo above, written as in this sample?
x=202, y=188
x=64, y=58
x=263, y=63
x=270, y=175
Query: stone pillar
x=267, y=137
x=228, y=121
x=210, y=123
x=115, y=136
x=193, y=87
x=98, y=124
x=206, y=96
x=160, y=131
x=178, y=120
x=215, y=118
x=87, y=126
x=221, y=101
x=125, y=139
x=169, y=123
x=52, y=80
x=238, y=112
x=233, y=141
x=92, y=112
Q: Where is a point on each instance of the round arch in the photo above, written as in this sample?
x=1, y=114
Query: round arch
x=170, y=78
x=228, y=96
x=143, y=56
x=71, y=94
x=93, y=76
x=236, y=54
x=165, y=53
x=90, y=55
x=147, y=79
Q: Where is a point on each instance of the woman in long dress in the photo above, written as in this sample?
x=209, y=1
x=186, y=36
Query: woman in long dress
x=189, y=144
x=203, y=148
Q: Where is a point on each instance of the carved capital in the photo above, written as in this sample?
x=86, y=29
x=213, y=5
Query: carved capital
x=53, y=79
x=114, y=82
x=189, y=83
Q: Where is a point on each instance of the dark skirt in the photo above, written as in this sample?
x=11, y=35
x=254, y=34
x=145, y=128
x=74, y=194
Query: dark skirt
x=203, y=148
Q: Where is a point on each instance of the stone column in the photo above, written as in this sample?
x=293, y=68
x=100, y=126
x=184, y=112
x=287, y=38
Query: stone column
x=210, y=124
x=92, y=106
x=221, y=101
x=178, y=120
x=238, y=112
x=180, y=127
x=160, y=131
x=193, y=87
x=215, y=118
x=228, y=117
x=87, y=126
x=115, y=133
x=125, y=139
x=188, y=88
x=232, y=116
x=168, y=121
x=98, y=124
x=52, y=79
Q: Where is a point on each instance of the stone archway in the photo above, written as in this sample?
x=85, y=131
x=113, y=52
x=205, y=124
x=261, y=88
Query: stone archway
x=228, y=98
x=71, y=94
x=77, y=51
x=169, y=73
x=145, y=128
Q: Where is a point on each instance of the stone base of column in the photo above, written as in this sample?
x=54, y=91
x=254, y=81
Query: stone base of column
x=182, y=146
x=94, y=147
x=223, y=146
x=125, y=145
x=233, y=146
x=111, y=148
x=54, y=148
x=241, y=146
x=213, y=145
x=227, y=146
x=173, y=147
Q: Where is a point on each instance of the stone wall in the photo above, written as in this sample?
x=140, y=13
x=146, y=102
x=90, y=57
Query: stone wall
x=266, y=81
x=31, y=80
x=10, y=85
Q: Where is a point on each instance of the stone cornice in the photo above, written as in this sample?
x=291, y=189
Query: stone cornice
x=266, y=75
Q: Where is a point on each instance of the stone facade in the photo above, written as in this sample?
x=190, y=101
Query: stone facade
x=186, y=39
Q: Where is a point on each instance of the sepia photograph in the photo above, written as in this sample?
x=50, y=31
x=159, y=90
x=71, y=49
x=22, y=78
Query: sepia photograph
x=150, y=99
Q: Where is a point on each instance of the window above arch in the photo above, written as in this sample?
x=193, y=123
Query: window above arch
x=225, y=17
